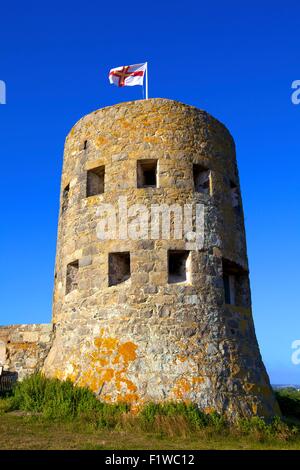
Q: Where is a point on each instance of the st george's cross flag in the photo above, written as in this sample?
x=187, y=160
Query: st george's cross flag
x=128, y=75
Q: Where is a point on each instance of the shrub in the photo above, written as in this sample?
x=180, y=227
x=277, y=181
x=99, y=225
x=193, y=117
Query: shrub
x=56, y=399
x=289, y=402
x=5, y=405
x=60, y=400
x=192, y=414
x=258, y=428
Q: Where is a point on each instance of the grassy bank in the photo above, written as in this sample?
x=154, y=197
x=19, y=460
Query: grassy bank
x=49, y=414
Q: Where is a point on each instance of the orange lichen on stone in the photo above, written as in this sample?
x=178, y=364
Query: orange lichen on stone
x=105, y=368
x=102, y=361
x=120, y=379
x=208, y=410
x=128, y=398
x=127, y=351
x=106, y=343
x=248, y=387
x=197, y=380
x=24, y=346
x=181, y=358
x=108, y=375
x=152, y=139
x=125, y=124
x=100, y=140
x=92, y=200
x=182, y=388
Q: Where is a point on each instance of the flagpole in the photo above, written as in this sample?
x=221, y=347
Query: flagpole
x=147, y=81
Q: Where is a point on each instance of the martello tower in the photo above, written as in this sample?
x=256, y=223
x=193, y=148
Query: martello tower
x=155, y=318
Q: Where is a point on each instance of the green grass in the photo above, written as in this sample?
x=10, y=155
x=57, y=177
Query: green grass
x=45, y=413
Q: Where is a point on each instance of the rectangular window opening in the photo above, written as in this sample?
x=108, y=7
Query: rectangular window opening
x=236, y=284
x=178, y=266
x=65, y=198
x=118, y=268
x=234, y=192
x=72, y=276
x=147, y=174
x=201, y=177
x=95, y=181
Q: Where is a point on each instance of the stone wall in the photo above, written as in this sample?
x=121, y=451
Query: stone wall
x=23, y=348
x=150, y=338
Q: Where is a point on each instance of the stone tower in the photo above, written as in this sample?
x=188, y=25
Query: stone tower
x=145, y=317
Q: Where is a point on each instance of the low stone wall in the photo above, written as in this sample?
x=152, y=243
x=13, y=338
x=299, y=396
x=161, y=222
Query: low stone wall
x=23, y=348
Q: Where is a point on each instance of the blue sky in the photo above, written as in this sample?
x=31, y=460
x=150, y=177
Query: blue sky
x=236, y=60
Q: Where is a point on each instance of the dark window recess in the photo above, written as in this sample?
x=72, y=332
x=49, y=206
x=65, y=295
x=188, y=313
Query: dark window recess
x=85, y=145
x=118, y=268
x=72, y=276
x=236, y=284
x=227, y=293
x=177, y=266
x=201, y=177
x=95, y=181
x=234, y=194
x=147, y=174
x=65, y=198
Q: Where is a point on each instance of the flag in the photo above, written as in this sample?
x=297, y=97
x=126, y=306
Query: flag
x=128, y=75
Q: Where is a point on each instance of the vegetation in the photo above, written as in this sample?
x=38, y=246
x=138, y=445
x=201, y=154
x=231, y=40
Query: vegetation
x=48, y=413
x=289, y=402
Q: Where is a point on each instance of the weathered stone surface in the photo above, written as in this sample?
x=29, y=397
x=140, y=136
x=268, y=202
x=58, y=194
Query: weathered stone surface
x=148, y=337
x=24, y=347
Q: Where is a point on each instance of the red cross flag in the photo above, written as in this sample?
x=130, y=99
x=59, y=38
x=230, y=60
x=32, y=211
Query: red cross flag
x=128, y=75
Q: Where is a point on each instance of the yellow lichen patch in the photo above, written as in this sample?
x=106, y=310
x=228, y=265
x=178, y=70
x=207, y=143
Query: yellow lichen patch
x=125, y=124
x=105, y=368
x=129, y=384
x=181, y=388
x=235, y=369
x=108, y=375
x=103, y=362
x=106, y=343
x=181, y=358
x=152, y=139
x=106, y=397
x=248, y=386
x=208, y=410
x=128, y=398
x=23, y=346
x=254, y=408
x=59, y=375
x=90, y=201
x=197, y=380
x=101, y=140
x=127, y=351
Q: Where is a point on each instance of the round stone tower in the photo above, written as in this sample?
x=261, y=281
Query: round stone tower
x=152, y=297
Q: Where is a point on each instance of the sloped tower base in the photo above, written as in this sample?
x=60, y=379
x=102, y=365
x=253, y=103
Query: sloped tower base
x=155, y=319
